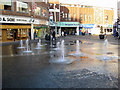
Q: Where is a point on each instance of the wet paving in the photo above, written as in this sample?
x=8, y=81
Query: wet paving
x=34, y=70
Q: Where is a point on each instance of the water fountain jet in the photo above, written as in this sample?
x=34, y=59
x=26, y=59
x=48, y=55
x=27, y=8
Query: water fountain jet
x=21, y=45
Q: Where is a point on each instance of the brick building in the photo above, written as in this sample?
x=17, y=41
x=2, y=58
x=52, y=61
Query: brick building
x=21, y=18
x=75, y=17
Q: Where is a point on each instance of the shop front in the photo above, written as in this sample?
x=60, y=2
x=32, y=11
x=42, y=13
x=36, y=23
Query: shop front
x=17, y=27
x=87, y=27
x=108, y=29
x=40, y=31
x=70, y=28
x=14, y=32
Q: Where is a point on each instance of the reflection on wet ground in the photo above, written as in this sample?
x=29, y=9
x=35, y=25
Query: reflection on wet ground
x=35, y=66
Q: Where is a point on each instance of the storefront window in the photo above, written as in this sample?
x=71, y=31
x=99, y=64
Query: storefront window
x=110, y=30
x=6, y=4
x=22, y=7
x=9, y=34
x=22, y=33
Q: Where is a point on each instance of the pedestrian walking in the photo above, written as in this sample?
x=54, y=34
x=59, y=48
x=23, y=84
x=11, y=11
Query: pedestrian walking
x=35, y=35
x=114, y=32
x=117, y=34
x=14, y=35
x=30, y=35
x=53, y=36
x=64, y=33
x=83, y=31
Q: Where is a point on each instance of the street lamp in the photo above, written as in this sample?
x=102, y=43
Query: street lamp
x=55, y=16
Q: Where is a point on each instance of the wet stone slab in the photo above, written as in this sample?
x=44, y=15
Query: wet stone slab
x=83, y=79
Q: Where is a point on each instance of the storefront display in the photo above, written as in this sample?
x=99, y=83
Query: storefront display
x=9, y=34
x=23, y=33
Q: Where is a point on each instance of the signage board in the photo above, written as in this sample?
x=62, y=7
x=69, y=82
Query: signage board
x=18, y=19
x=68, y=24
x=87, y=25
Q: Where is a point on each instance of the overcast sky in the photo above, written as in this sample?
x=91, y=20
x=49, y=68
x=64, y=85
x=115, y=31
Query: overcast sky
x=101, y=3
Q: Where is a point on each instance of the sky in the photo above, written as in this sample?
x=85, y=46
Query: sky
x=101, y=3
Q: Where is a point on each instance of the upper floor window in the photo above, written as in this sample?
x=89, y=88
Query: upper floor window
x=69, y=17
x=85, y=17
x=38, y=11
x=106, y=19
x=6, y=4
x=74, y=16
x=88, y=17
x=22, y=7
x=66, y=16
x=81, y=17
x=45, y=13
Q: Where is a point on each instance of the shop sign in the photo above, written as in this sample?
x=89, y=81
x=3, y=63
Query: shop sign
x=17, y=19
x=68, y=24
x=110, y=26
x=7, y=19
x=87, y=25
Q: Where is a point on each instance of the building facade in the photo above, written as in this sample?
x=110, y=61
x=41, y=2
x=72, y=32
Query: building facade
x=22, y=20
x=75, y=17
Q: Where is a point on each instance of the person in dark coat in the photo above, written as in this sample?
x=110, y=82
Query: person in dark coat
x=14, y=35
x=64, y=33
x=30, y=35
x=53, y=34
x=117, y=34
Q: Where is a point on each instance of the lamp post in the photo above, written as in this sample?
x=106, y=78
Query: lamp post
x=59, y=19
x=55, y=16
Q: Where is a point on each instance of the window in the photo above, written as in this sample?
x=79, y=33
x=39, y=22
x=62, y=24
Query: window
x=112, y=18
x=63, y=16
x=38, y=11
x=6, y=4
x=81, y=17
x=88, y=17
x=106, y=19
x=74, y=16
x=66, y=16
x=69, y=17
x=44, y=12
x=22, y=7
x=85, y=17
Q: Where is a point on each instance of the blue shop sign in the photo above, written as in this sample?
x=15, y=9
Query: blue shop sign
x=87, y=25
